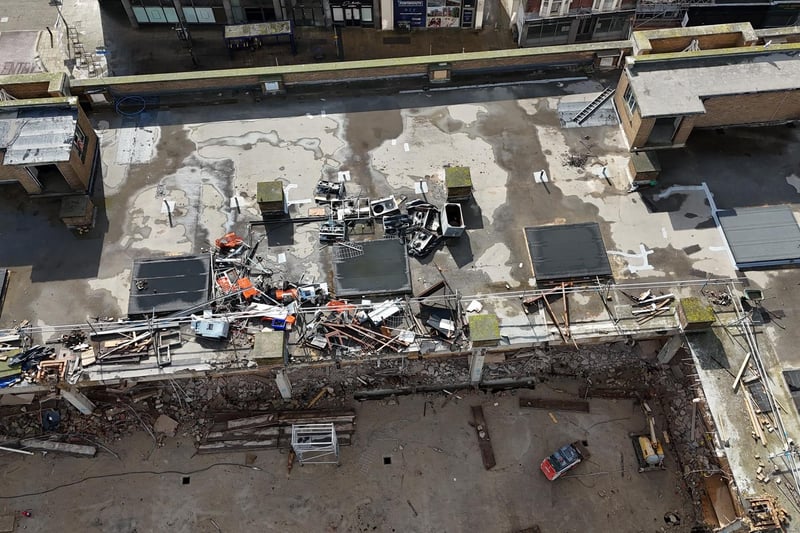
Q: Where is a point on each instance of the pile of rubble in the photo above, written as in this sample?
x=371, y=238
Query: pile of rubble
x=265, y=430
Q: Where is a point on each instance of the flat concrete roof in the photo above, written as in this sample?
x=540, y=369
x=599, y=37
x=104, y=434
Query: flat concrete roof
x=675, y=87
x=761, y=236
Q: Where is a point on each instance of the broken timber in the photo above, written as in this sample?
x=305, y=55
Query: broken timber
x=555, y=405
x=484, y=441
x=272, y=430
x=60, y=447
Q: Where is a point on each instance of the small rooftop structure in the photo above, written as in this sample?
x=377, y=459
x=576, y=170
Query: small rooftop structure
x=484, y=330
x=378, y=267
x=678, y=87
x=169, y=284
x=37, y=135
x=761, y=236
x=567, y=252
x=682, y=79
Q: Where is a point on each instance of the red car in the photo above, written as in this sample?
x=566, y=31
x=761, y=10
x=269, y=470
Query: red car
x=564, y=459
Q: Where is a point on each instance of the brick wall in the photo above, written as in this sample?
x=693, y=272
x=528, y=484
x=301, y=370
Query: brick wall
x=40, y=85
x=23, y=91
x=18, y=174
x=533, y=6
x=80, y=170
x=754, y=108
x=637, y=129
x=706, y=42
x=684, y=130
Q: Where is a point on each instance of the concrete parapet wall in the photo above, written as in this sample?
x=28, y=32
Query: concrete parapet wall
x=461, y=65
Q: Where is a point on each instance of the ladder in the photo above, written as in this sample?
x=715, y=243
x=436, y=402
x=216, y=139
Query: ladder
x=587, y=111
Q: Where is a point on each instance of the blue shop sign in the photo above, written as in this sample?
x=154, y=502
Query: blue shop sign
x=411, y=12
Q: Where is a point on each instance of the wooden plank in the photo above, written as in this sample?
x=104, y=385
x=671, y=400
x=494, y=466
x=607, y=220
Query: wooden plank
x=439, y=285
x=754, y=420
x=60, y=447
x=611, y=394
x=741, y=371
x=253, y=421
x=581, y=406
x=484, y=440
x=533, y=299
x=554, y=319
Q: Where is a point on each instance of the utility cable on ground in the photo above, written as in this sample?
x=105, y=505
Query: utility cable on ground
x=123, y=474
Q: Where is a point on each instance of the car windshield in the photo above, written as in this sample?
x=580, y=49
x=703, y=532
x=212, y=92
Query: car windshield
x=564, y=457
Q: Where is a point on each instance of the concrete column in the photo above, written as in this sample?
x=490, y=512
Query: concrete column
x=179, y=9
x=228, y=11
x=75, y=181
x=284, y=385
x=476, y=361
x=31, y=185
x=480, y=8
x=126, y=4
x=387, y=14
x=669, y=349
x=282, y=12
x=78, y=400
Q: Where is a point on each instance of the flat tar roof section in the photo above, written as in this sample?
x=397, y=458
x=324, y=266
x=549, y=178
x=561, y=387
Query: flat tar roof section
x=169, y=284
x=676, y=87
x=567, y=252
x=371, y=268
x=761, y=236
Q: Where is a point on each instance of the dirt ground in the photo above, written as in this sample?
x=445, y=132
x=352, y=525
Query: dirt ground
x=413, y=467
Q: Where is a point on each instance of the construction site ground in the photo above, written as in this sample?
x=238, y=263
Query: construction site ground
x=414, y=465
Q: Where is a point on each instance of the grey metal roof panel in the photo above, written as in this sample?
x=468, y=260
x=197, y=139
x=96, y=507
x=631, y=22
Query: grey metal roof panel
x=761, y=235
x=170, y=284
x=34, y=137
x=382, y=269
x=569, y=251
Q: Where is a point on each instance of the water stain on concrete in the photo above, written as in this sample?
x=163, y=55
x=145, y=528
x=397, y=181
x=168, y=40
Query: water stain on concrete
x=513, y=135
x=363, y=132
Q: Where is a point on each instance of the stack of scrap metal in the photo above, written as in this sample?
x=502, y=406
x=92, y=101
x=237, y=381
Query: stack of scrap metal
x=543, y=298
x=421, y=227
x=344, y=328
x=124, y=349
x=37, y=364
x=265, y=430
x=648, y=305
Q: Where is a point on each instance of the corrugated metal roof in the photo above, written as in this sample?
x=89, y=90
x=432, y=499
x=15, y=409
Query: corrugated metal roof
x=761, y=236
x=37, y=136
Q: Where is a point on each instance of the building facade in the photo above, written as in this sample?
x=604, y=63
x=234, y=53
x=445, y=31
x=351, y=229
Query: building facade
x=552, y=22
x=681, y=79
x=379, y=14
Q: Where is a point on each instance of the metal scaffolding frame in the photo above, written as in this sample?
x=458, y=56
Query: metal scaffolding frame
x=315, y=443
